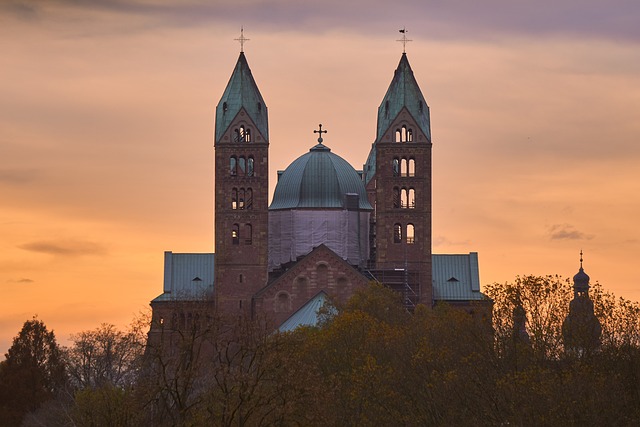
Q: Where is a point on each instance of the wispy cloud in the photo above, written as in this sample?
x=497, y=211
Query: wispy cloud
x=65, y=248
x=567, y=232
x=22, y=280
x=17, y=176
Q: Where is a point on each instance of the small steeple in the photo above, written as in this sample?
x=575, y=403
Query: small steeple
x=581, y=329
x=403, y=92
x=241, y=93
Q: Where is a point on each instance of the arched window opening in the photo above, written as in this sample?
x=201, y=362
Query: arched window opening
x=242, y=166
x=234, y=198
x=242, y=134
x=412, y=199
x=409, y=135
x=397, y=233
x=322, y=274
x=224, y=107
x=404, y=198
x=396, y=197
x=301, y=284
x=403, y=167
x=396, y=167
x=248, y=235
x=403, y=134
x=412, y=167
x=233, y=166
x=282, y=302
x=250, y=163
x=236, y=135
x=240, y=278
x=235, y=234
x=249, y=199
x=398, y=135
x=411, y=234
x=241, y=198
x=247, y=135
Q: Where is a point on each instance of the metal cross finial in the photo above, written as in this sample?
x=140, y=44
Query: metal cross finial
x=320, y=131
x=242, y=39
x=580, y=258
x=404, y=39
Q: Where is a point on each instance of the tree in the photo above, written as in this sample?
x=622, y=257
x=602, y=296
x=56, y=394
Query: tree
x=32, y=373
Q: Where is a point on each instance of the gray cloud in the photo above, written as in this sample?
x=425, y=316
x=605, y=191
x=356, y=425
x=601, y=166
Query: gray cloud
x=567, y=232
x=23, y=280
x=615, y=19
x=17, y=176
x=65, y=248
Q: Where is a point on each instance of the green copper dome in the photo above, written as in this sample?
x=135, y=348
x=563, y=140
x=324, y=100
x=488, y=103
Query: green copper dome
x=318, y=179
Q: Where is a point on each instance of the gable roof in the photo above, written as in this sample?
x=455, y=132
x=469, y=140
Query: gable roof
x=456, y=277
x=307, y=315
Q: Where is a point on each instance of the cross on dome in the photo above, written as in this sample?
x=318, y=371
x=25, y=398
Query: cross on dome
x=242, y=39
x=320, y=132
x=404, y=39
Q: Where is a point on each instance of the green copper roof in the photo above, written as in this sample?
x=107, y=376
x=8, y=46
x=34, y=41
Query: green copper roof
x=241, y=92
x=403, y=92
x=318, y=179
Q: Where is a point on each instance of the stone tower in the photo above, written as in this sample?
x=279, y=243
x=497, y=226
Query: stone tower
x=241, y=191
x=400, y=187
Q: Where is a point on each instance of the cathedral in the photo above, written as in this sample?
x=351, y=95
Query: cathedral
x=330, y=229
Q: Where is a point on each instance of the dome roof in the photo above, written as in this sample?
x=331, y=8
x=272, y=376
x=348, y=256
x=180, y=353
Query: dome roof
x=318, y=179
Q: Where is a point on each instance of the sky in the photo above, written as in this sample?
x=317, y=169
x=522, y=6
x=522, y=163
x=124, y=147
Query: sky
x=106, y=133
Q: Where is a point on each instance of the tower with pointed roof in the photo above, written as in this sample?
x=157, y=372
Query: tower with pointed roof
x=241, y=191
x=398, y=180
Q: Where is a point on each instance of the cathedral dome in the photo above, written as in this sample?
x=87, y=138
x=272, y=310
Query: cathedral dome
x=318, y=179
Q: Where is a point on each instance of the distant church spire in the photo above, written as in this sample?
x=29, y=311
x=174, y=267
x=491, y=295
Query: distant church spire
x=581, y=329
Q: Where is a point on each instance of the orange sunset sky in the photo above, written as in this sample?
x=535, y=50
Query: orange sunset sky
x=106, y=133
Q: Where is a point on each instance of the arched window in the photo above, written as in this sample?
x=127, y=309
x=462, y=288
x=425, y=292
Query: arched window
x=396, y=197
x=224, y=107
x=242, y=166
x=412, y=167
x=282, y=302
x=235, y=234
x=248, y=203
x=248, y=234
x=247, y=135
x=242, y=134
x=241, y=198
x=411, y=234
x=403, y=134
x=404, y=198
x=403, y=167
x=410, y=135
x=236, y=135
x=397, y=233
x=233, y=166
x=398, y=136
x=250, y=166
x=322, y=274
x=395, y=164
x=411, y=202
x=234, y=198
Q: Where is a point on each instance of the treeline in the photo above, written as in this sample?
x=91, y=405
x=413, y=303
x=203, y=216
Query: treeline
x=368, y=363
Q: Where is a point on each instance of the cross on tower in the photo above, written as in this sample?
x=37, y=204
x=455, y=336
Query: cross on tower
x=242, y=39
x=320, y=131
x=404, y=39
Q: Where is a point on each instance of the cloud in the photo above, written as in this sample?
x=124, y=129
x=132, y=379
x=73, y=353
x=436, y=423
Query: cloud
x=66, y=248
x=17, y=176
x=23, y=280
x=567, y=232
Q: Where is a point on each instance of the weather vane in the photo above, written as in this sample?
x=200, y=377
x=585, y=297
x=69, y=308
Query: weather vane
x=404, y=39
x=320, y=132
x=242, y=39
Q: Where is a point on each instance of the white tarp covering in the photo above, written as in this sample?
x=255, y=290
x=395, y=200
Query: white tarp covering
x=293, y=233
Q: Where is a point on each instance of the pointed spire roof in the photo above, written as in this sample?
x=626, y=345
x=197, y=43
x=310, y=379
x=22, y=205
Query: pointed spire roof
x=241, y=92
x=403, y=92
